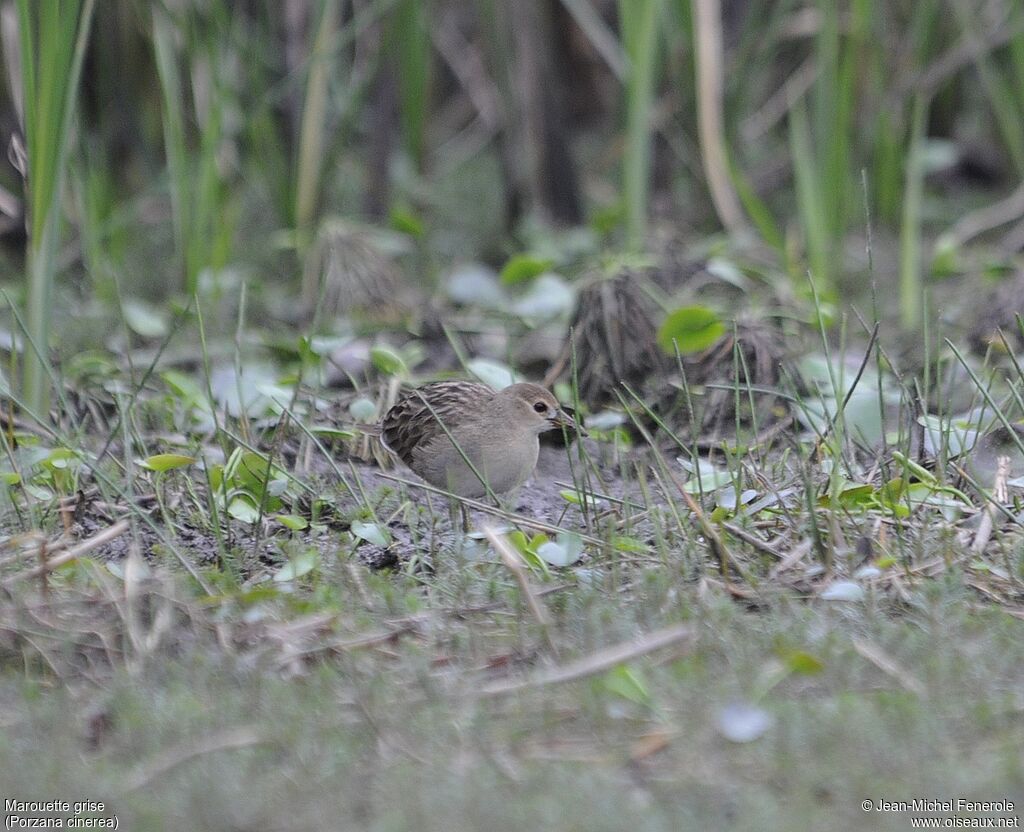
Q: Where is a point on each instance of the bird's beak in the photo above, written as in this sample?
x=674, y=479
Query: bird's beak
x=565, y=418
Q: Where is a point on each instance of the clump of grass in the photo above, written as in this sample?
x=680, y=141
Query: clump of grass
x=52, y=39
x=201, y=210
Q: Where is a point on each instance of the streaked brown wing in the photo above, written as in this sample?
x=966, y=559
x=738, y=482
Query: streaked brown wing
x=410, y=423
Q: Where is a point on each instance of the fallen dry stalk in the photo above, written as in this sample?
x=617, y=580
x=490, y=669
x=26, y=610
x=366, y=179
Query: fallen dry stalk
x=709, y=61
x=227, y=740
x=999, y=497
x=597, y=662
x=75, y=552
x=514, y=561
x=888, y=665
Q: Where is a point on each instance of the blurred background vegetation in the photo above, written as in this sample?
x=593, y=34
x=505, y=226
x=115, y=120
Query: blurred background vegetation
x=160, y=152
x=211, y=211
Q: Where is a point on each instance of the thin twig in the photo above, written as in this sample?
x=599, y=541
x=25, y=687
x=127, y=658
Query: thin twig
x=489, y=509
x=709, y=62
x=981, y=220
x=514, y=561
x=884, y=662
x=849, y=393
x=999, y=497
x=596, y=662
x=226, y=740
x=75, y=552
x=752, y=540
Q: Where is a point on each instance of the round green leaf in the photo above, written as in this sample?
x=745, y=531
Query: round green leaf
x=523, y=267
x=388, y=361
x=363, y=409
x=145, y=320
x=693, y=328
x=475, y=285
x=564, y=552
x=242, y=508
x=302, y=564
x=803, y=662
x=492, y=373
x=370, y=532
x=549, y=296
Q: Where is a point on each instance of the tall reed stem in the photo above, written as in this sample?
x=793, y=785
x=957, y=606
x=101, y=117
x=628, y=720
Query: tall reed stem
x=639, y=33
x=52, y=39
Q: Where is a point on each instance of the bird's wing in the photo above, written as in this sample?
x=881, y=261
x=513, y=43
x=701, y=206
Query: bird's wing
x=413, y=421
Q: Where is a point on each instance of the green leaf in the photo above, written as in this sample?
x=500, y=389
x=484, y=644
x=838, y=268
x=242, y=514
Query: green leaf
x=494, y=375
x=38, y=492
x=528, y=550
x=167, y=462
x=523, y=268
x=851, y=495
x=549, y=296
x=519, y=540
x=802, y=662
x=708, y=481
x=475, y=284
x=954, y=436
x=404, y=220
x=946, y=261
x=182, y=386
x=693, y=328
x=628, y=544
x=216, y=477
x=628, y=683
x=145, y=320
x=579, y=499
x=388, y=361
x=563, y=552
x=331, y=432
x=363, y=410
x=727, y=271
x=244, y=509
x=60, y=458
x=292, y=521
x=371, y=533
x=606, y=219
x=302, y=564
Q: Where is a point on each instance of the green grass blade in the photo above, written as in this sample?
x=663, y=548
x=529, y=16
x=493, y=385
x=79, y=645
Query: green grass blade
x=173, y=124
x=809, y=199
x=411, y=47
x=314, y=118
x=910, y=231
x=639, y=33
x=53, y=40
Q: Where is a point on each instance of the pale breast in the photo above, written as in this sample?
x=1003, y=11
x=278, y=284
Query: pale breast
x=505, y=462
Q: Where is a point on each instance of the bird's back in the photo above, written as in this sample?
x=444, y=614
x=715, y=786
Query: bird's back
x=413, y=421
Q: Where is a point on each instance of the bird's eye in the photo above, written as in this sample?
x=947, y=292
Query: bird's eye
x=540, y=407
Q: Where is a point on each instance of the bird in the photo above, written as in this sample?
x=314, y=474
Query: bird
x=470, y=439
